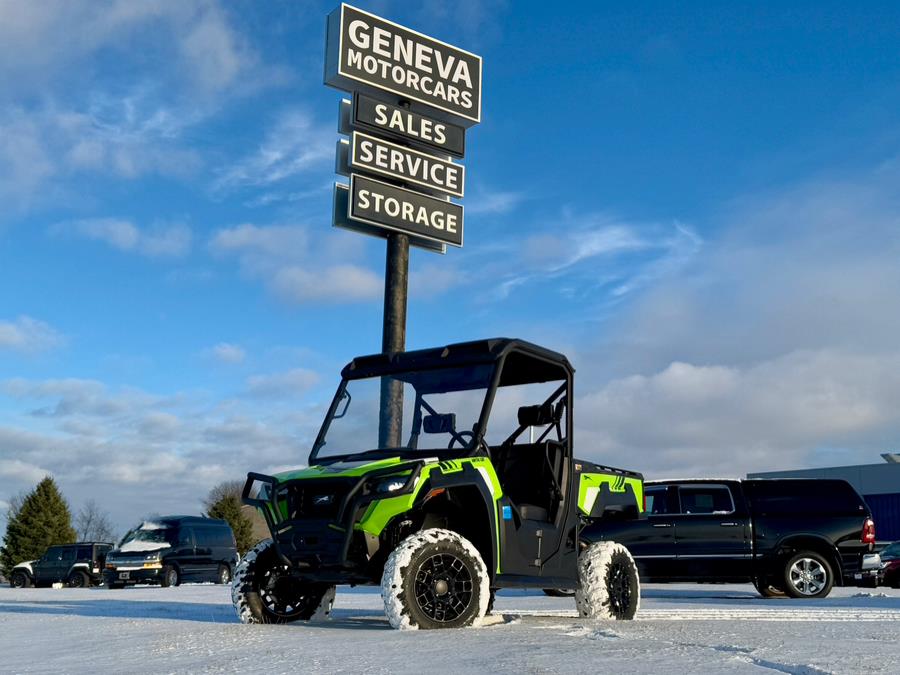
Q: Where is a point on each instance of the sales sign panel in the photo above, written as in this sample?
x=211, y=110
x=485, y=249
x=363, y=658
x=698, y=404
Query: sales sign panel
x=374, y=155
x=395, y=208
x=371, y=114
x=364, y=50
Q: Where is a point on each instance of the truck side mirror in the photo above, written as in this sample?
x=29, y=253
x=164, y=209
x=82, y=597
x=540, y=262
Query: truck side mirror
x=439, y=424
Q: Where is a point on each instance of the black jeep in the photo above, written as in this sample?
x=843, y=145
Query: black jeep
x=77, y=565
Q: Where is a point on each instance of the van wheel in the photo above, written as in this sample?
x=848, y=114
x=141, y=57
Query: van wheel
x=435, y=579
x=78, y=580
x=170, y=577
x=263, y=591
x=807, y=575
x=610, y=585
x=224, y=575
x=19, y=580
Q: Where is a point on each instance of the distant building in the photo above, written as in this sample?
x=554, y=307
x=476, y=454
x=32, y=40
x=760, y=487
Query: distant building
x=879, y=484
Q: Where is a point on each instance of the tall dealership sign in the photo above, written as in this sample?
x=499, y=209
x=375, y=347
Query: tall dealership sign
x=413, y=98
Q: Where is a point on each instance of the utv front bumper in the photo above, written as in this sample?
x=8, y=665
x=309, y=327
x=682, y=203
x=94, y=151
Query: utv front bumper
x=313, y=520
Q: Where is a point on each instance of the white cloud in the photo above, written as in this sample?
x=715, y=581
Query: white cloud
x=493, y=203
x=228, y=353
x=291, y=383
x=25, y=334
x=292, y=146
x=297, y=266
x=161, y=241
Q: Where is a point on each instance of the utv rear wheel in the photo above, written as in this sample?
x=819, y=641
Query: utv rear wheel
x=263, y=590
x=19, y=580
x=435, y=579
x=808, y=575
x=610, y=586
x=170, y=577
x=78, y=580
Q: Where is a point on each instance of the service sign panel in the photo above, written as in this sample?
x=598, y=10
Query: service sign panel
x=365, y=50
x=395, y=208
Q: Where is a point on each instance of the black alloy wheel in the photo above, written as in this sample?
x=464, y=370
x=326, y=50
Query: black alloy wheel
x=19, y=580
x=78, y=580
x=286, y=598
x=620, y=587
x=443, y=587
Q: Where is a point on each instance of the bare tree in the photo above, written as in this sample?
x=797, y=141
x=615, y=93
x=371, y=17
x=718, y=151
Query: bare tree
x=15, y=503
x=228, y=488
x=93, y=524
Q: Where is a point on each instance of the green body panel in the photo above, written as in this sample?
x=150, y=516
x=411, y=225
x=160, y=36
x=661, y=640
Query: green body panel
x=590, y=488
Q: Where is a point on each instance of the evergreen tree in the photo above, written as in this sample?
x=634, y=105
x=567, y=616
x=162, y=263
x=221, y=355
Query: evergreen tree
x=224, y=502
x=41, y=520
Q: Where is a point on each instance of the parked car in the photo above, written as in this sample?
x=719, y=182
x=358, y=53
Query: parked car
x=797, y=537
x=78, y=565
x=172, y=550
x=890, y=565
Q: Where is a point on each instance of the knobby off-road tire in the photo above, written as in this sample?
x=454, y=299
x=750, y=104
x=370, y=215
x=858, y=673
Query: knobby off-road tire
x=610, y=585
x=262, y=592
x=807, y=575
x=19, y=580
x=435, y=579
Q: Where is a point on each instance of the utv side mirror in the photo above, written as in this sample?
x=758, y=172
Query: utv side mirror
x=536, y=415
x=439, y=424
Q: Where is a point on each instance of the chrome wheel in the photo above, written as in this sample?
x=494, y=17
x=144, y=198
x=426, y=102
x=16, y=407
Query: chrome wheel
x=808, y=576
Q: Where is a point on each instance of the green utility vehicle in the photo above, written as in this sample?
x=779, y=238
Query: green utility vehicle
x=465, y=485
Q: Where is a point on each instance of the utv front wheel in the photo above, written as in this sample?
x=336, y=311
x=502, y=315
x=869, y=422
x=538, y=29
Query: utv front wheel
x=435, y=579
x=263, y=590
x=610, y=586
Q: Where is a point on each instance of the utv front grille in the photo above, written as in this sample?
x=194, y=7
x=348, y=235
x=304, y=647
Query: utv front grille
x=318, y=499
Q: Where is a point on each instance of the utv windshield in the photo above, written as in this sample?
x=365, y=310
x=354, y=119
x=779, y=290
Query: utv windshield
x=441, y=410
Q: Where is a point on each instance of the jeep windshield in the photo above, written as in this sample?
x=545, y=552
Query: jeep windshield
x=441, y=411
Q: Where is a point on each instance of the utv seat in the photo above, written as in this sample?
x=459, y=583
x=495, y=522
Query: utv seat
x=533, y=512
x=524, y=475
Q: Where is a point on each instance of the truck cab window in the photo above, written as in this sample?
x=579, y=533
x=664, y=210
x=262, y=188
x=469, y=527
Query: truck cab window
x=703, y=499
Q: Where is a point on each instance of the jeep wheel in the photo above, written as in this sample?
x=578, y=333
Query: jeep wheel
x=435, y=579
x=170, y=577
x=807, y=575
x=19, y=580
x=263, y=591
x=767, y=589
x=610, y=586
x=223, y=576
x=559, y=593
x=78, y=580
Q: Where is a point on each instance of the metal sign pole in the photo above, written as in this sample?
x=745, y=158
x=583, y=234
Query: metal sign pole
x=393, y=337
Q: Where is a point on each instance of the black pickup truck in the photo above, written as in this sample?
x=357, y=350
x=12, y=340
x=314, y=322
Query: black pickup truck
x=787, y=536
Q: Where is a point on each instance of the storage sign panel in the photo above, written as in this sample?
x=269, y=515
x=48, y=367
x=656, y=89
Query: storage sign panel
x=364, y=50
x=373, y=155
x=405, y=125
x=394, y=208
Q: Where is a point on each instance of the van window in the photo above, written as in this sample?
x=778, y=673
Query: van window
x=700, y=499
x=185, y=538
x=213, y=536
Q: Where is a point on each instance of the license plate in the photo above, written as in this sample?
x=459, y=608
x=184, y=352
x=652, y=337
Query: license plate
x=124, y=575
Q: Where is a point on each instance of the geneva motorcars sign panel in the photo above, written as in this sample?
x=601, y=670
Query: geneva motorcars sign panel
x=394, y=208
x=364, y=50
x=374, y=155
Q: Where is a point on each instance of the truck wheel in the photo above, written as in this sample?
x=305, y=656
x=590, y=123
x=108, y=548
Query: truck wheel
x=766, y=589
x=78, y=580
x=435, y=579
x=610, y=586
x=807, y=575
x=19, y=580
x=170, y=577
x=263, y=591
x=115, y=587
x=559, y=593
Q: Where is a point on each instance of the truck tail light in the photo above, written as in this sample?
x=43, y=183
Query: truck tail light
x=868, y=531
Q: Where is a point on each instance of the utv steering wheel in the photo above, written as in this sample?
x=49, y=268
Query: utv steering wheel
x=460, y=436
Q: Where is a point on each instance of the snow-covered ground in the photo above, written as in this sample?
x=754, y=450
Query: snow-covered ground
x=681, y=629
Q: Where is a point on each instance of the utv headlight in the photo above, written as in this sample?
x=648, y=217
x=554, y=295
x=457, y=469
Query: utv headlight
x=391, y=484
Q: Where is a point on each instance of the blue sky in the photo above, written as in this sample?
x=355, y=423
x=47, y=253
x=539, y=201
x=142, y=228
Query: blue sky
x=697, y=203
